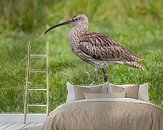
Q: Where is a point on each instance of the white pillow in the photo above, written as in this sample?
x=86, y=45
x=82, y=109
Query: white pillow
x=103, y=95
x=131, y=90
x=71, y=94
x=71, y=90
x=143, y=92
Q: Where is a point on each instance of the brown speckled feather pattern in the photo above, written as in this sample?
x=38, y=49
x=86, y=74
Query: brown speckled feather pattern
x=102, y=48
x=97, y=49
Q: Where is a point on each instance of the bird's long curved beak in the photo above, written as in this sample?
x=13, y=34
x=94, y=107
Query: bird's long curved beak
x=67, y=22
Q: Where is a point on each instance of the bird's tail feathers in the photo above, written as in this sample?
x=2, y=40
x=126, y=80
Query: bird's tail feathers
x=134, y=57
x=137, y=58
x=134, y=64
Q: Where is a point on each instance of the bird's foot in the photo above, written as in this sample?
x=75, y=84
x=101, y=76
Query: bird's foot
x=105, y=78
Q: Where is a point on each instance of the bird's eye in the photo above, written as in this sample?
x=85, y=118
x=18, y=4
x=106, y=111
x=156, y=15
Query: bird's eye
x=76, y=19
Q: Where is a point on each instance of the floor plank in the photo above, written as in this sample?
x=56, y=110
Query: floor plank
x=17, y=125
x=1, y=124
x=30, y=125
x=22, y=125
x=40, y=117
x=39, y=124
x=5, y=126
x=13, y=126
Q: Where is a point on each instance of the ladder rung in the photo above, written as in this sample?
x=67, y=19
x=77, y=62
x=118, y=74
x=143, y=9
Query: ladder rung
x=36, y=105
x=37, y=89
x=36, y=71
x=37, y=85
x=38, y=56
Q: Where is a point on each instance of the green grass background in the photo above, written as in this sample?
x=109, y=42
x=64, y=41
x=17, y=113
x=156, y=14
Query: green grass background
x=136, y=24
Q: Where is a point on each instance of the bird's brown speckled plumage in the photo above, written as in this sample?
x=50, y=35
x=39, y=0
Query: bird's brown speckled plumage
x=97, y=49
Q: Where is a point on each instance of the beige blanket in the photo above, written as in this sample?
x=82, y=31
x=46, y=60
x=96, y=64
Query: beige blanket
x=105, y=114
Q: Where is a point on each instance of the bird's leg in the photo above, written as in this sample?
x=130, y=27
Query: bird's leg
x=96, y=76
x=104, y=75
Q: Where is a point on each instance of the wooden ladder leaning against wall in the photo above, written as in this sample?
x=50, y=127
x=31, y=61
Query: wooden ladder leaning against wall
x=29, y=72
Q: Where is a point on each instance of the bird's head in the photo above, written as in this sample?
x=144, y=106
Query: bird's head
x=78, y=20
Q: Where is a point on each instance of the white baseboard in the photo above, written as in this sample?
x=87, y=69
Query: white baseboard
x=20, y=117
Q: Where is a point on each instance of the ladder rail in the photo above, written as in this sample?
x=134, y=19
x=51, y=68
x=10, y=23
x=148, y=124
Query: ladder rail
x=47, y=78
x=26, y=85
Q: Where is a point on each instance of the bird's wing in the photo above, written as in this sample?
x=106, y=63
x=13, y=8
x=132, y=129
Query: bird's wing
x=104, y=48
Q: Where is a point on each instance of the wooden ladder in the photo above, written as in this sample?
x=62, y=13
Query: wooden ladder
x=29, y=71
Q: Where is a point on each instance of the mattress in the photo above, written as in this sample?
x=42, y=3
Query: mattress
x=105, y=114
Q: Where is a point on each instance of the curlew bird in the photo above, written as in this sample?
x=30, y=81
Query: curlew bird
x=97, y=49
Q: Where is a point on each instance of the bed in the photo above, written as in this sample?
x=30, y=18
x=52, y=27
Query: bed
x=106, y=107
x=105, y=114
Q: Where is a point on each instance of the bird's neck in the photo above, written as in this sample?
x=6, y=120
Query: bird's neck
x=75, y=34
x=81, y=28
x=78, y=30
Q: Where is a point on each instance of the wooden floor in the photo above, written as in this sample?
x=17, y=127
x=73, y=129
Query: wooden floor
x=16, y=121
x=17, y=126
